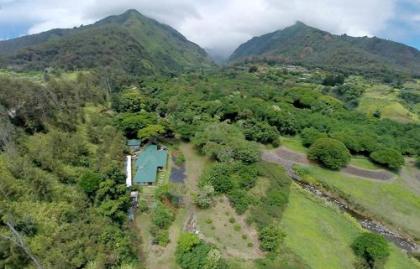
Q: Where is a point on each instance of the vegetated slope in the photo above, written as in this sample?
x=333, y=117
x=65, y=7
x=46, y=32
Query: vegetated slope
x=129, y=42
x=301, y=44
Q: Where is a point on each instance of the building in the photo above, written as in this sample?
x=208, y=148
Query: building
x=149, y=161
x=128, y=169
x=134, y=144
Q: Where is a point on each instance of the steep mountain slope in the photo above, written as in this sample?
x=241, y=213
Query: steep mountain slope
x=131, y=42
x=301, y=44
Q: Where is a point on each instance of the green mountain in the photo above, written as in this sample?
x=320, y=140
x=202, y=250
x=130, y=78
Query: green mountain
x=302, y=44
x=130, y=42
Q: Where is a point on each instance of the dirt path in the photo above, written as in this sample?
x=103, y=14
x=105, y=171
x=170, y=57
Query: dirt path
x=287, y=158
x=411, y=174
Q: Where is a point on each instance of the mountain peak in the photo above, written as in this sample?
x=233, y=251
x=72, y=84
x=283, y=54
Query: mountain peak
x=306, y=45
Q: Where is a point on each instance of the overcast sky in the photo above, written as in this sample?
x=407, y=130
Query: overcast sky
x=222, y=25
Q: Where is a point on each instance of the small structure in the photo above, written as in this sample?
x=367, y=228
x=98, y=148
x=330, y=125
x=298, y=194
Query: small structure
x=149, y=161
x=128, y=180
x=133, y=144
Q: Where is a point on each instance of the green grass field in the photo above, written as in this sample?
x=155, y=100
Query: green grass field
x=394, y=202
x=363, y=162
x=385, y=99
x=293, y=143
x=321, y=235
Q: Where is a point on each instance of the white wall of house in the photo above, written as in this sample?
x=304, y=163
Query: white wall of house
x=128, y=180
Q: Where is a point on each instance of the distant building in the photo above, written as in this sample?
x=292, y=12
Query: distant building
x=149, y=161
x=134, y=144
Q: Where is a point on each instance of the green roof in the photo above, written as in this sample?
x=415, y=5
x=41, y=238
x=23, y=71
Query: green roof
x=133, y=142
x=148, y=161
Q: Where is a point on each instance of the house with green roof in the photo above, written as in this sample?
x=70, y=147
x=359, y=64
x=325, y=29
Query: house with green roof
x=148, y=162
x=134, y=144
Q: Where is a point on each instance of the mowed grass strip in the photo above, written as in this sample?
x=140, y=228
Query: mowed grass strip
x=322, y=236
x=395, y=202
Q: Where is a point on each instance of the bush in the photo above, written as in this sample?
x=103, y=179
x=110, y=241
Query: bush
x=270, y=238
x=162, y=217
x=193, y=253
x=372, y=248
x=388, y=157
x=331, y=153
x=204, y=197
x=143, y=207
x=89, y=182
x=240, y=200
x=310, y=135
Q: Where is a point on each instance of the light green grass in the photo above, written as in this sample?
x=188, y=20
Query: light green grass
x=363, y=162
x=216, y=228
x=385, y=99
x=321, y=235
x=294, y=143
x=393, y=202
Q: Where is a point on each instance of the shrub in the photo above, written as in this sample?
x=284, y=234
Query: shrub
x=204, y=198
x=192, y=253
x=143, y=207
x=89, y=182
x=240, y=200
x=270, y=238
x=388, y=157
x=331, y=153
x=162, y=217
x=372, y=248
x=310, y=135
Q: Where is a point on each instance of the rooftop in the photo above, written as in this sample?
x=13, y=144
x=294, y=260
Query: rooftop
x=147, y=163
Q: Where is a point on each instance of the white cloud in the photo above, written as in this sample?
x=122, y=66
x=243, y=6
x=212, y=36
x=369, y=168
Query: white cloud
x=218, y=24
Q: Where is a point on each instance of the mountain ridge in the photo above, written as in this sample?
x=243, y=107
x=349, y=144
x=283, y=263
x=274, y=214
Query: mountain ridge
x=129, y=41
x=306, y=45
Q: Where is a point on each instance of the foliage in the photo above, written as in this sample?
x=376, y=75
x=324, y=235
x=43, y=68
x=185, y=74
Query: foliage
x=388, y=157
x=89, y=182
x=204, y=197
x=304, y=45
x=372, y=248
x=162, y=217
x=310, y=135
x=127, y=44
x=193, y=253
x=240, y=200
x=151, y=132
x=225, y=142
x=270, y=238
x=330, y=152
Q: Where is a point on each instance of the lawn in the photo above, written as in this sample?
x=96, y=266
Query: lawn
x=393, y=202
x=321, y=235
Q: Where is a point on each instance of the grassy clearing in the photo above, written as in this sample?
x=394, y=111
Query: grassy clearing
x=394, y=202
x=228, y=231
x=294, y=143
x=363, y=162
x=158, y=257
x=385, y=99
x=321, y=235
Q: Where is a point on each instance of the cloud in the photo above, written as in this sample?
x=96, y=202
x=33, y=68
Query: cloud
x=219, y=25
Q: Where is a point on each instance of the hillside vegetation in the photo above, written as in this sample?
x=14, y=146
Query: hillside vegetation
x=302, y=44
x=129, y=43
